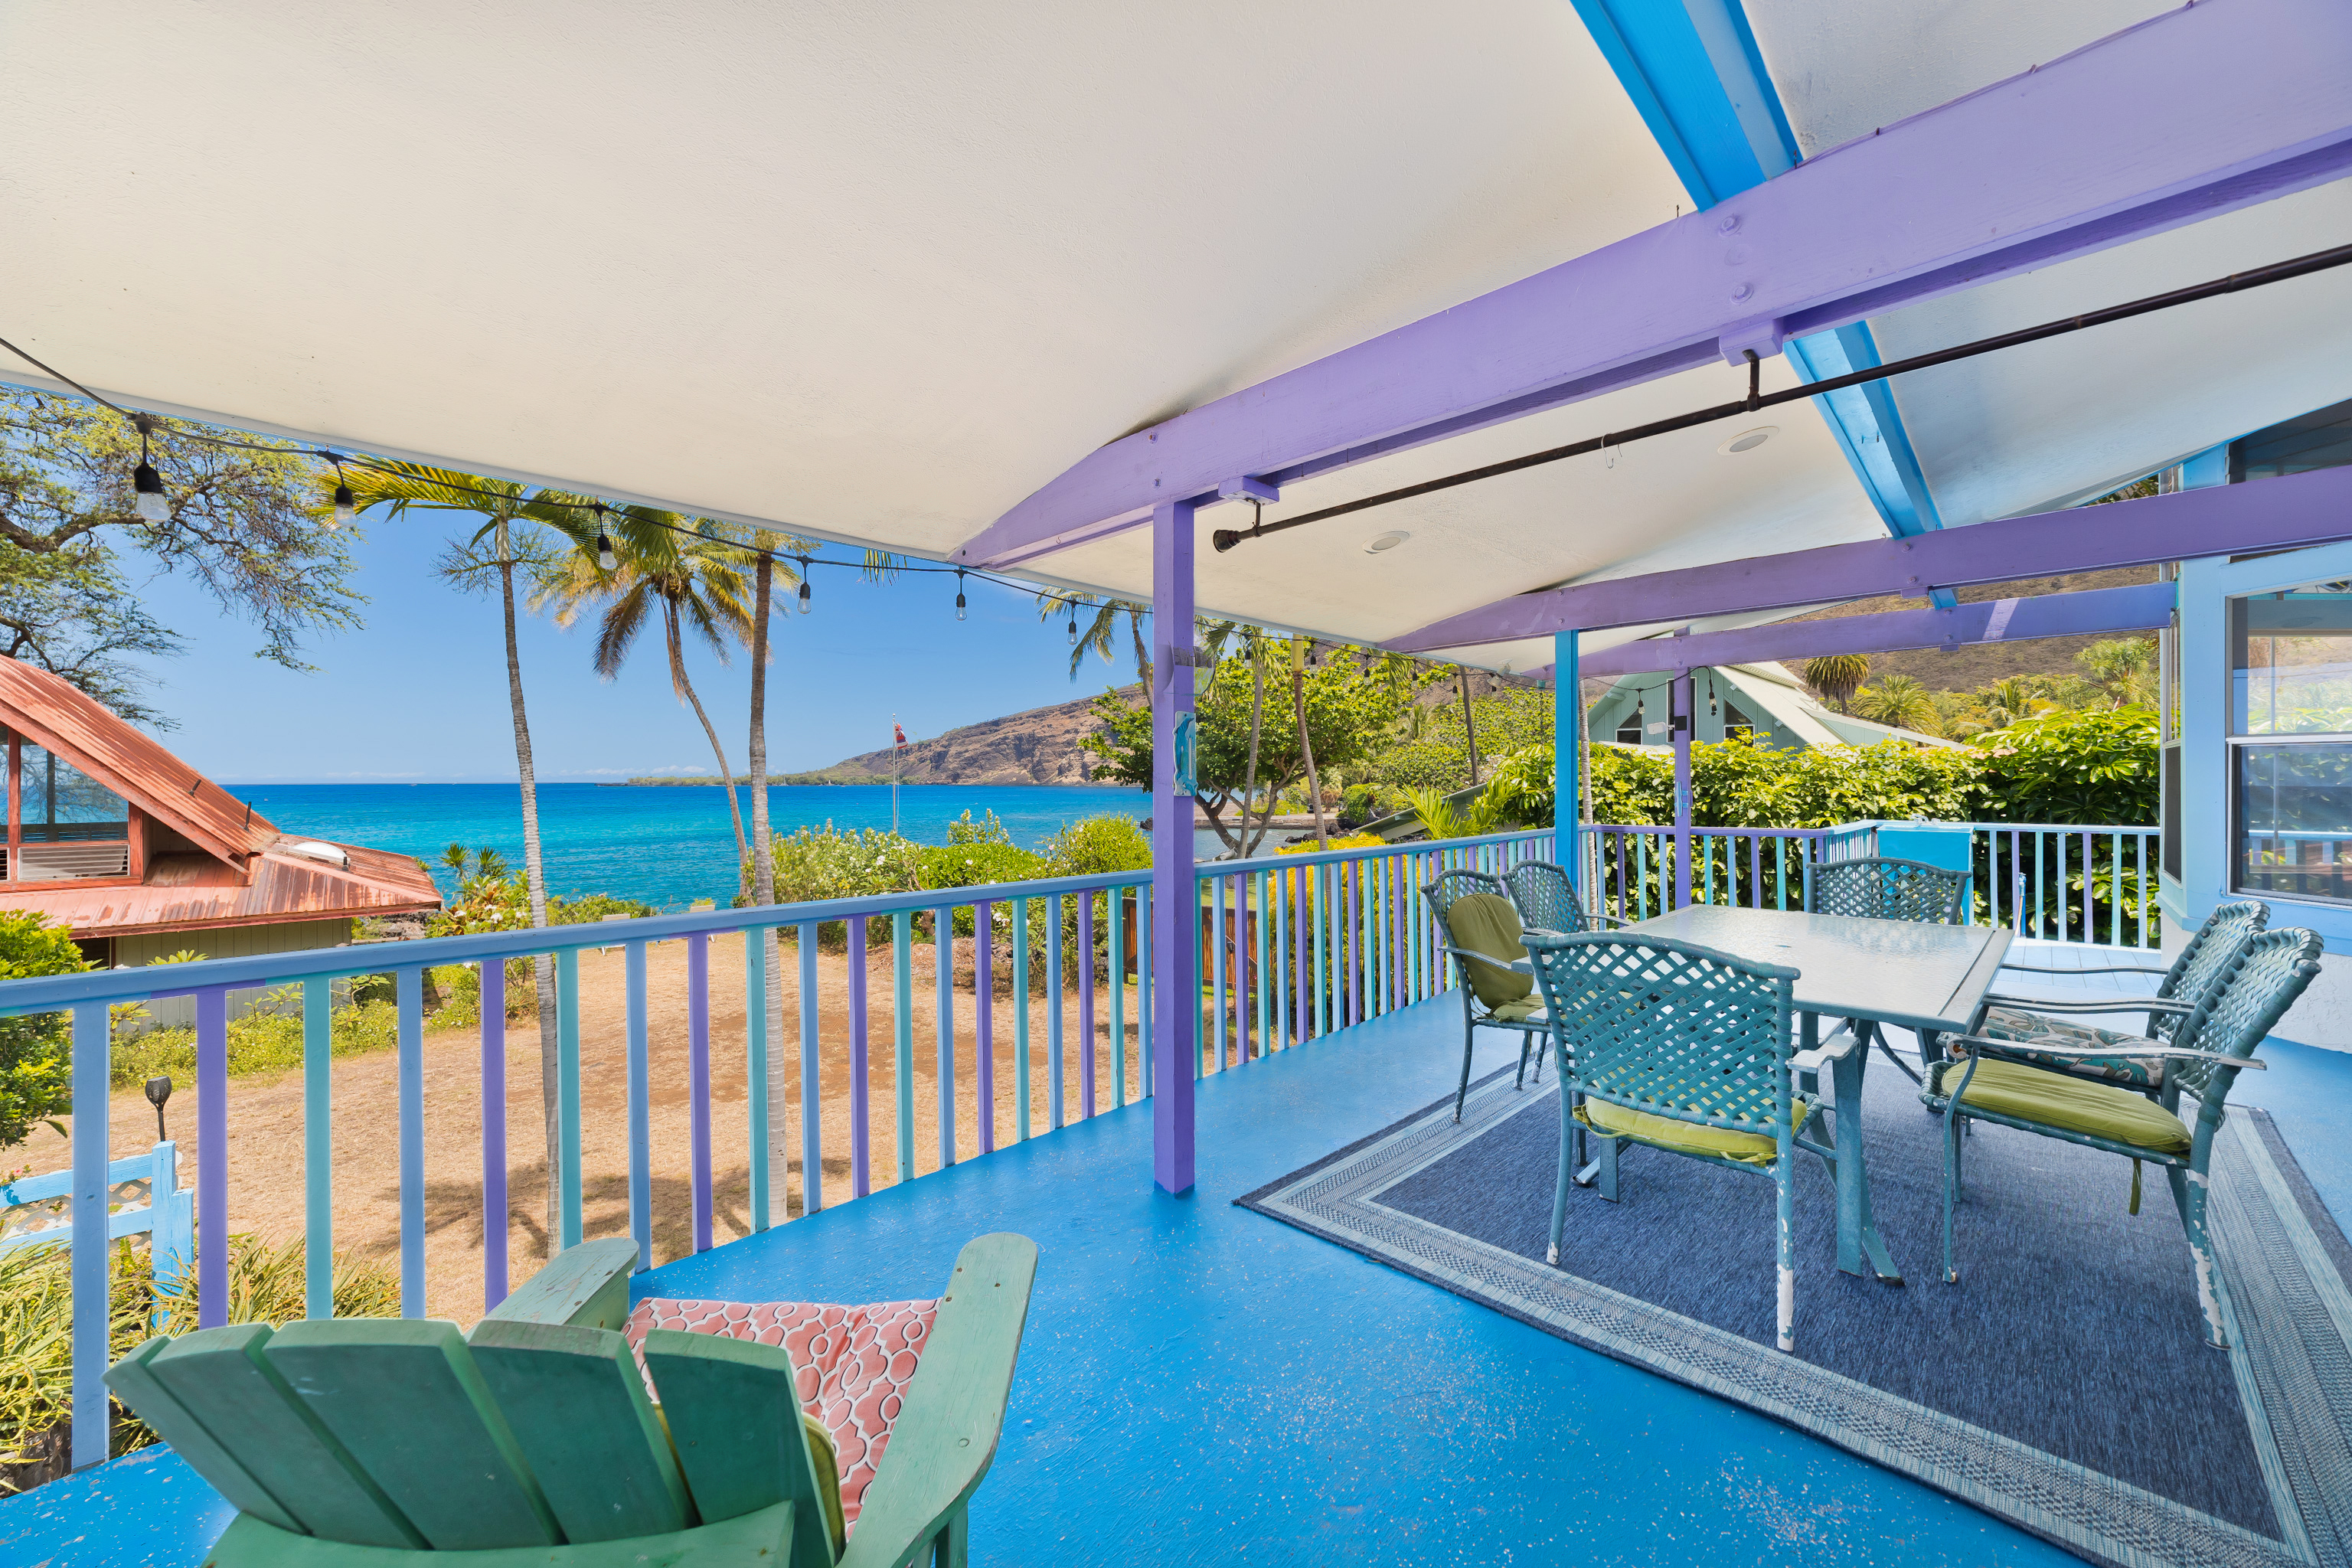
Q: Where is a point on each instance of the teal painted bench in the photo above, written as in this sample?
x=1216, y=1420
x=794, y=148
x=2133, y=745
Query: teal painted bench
x=167, y=1216
x=389, y=1443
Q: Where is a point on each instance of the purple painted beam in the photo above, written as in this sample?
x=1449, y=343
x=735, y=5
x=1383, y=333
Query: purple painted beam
x=2141, y=606
x=2198, y=111
x=2225, y=520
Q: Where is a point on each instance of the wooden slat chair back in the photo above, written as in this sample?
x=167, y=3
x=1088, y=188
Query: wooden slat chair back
x=1481, y=940
x=2016, y=1085
x=2212, y=953
x=377, y=1443
x=1685, y=1050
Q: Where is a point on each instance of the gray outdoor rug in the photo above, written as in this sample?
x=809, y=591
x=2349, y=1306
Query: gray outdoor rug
x=2063, y=1384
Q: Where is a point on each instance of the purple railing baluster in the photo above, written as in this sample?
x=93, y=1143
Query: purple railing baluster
x=1086, y=1000
x=1353, y=941
x=860, y=1136
x=698, y=1079
x=983, y=1019
x=494, y=1133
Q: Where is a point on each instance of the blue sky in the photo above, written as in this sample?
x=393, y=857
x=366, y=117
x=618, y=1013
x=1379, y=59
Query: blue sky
x=419, y=693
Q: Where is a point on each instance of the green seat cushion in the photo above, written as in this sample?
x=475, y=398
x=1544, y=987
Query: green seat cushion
x=1525, y=1010
x=2017, y=1024
x=2060, y=1100
x=1486, y=923
x=1685, y=1137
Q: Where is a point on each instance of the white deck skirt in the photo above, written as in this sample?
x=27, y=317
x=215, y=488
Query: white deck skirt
x=877, y=272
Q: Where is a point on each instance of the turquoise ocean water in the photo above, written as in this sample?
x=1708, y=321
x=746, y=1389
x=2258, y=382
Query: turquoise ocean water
x=666, y=845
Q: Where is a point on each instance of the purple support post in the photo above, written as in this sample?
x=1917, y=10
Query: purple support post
x=1175, y=930
x=860, y=1135
x=1086, y=1002
x=1682, y=729
x=983, y=1015
x=697, y=1074
x=212, y=1158
x=494, y=1134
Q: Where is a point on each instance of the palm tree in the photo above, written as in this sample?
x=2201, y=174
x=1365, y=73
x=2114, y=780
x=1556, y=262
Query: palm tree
x=1302, y=650
x=1901, y=701
x=2122, y=670
x=1837, y=676
x=512, y=541
x=2012, y=698
x=1101, y=629
x=1215, y=635
x=688, y=570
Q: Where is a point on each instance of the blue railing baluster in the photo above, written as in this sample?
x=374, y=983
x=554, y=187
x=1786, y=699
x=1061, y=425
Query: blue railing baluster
x=492, y=991
x=1217, y=1040
x=902, y=1040
x=318, y=1148
x=408, y=992
x=1024, y=1125
x=1056, y=1068
x=811, y=1084
x=755, y=1070
x=1116, y=952
x=861, y=1067
x=983, y=1019
x=698, y=1079
x=92, y=1296
x=641, y=1178
x=943, y=1028
x=567, y=1093
x=1086, y=1005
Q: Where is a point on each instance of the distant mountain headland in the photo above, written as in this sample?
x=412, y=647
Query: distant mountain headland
x=1038, y=747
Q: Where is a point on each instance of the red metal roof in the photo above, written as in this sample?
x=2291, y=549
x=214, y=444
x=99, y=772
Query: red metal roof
x=187, y=892
x=252, y=877
x=54, y=713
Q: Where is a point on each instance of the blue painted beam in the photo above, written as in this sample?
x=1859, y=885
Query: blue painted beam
x=1693, y=72
x=2285, y=514
x=2139, y=606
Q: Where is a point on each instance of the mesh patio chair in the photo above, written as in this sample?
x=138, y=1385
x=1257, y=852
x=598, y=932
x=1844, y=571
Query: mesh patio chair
x=1994, y=1081
x=1482, y=937
x=2201, y=965
x=1682, y=1048
x=1884, y=888
x=1547, y=899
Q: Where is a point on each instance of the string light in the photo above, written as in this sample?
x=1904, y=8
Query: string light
x=1074, y=623
x=147, y=485
x=345, y=508
x=960, y=605
x=804, y=584
x=606, y=560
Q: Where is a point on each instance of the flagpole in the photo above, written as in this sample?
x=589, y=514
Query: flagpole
x=897, y=750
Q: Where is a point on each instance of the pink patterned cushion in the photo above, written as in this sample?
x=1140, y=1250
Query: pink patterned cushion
x=851, y=1365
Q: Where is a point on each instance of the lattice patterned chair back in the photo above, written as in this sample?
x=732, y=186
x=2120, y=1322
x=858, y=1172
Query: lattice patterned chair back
x=1884, y=889
x=2240, y=1013
x=1452, y=885
x=1509, y=1002
x=1666, y=1026
x=2206, y=959
x=1545, y=899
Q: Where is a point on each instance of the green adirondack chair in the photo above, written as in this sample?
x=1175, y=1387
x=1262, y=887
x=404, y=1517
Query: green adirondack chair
x=533, y=1442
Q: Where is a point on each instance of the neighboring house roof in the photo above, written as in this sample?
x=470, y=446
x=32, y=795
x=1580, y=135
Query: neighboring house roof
x=251, y=874
x=1771, y=687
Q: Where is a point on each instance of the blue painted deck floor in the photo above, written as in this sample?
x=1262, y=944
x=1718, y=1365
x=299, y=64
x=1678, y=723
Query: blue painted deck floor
x=1202, y=1385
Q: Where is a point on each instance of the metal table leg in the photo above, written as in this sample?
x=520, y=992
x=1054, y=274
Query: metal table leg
x=1857, y=1228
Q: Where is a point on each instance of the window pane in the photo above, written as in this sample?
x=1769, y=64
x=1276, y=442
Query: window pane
x=2294, y=820
x=2291, y=662
x=61, y=801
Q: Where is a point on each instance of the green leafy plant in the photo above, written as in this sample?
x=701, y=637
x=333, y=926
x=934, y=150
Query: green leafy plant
x=35, y=1052
x=1440, y=818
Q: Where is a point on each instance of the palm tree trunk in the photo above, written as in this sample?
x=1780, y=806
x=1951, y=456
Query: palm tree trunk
x=1469, y=723
x=534, y=871
x=764, y=891
x=685, y=688
x=1306, y=750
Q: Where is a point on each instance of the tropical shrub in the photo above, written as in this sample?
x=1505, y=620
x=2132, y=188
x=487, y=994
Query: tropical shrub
x=2087, y=765
x=36, y=1053
x=1099, y=846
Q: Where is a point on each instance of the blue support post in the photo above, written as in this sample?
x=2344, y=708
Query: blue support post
x=92, y=1308
x=1175, y=938
x=317, y=1150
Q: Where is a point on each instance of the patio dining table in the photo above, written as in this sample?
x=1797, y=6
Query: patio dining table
x=1927, y=978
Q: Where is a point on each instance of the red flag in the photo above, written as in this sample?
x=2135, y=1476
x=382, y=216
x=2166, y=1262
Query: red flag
x=899, y=732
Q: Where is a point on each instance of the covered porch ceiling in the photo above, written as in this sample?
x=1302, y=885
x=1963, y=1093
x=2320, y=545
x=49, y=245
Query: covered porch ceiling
x=883, y=273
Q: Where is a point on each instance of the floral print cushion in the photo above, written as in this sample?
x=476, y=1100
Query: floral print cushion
x=851, y=1366
x=2017, y=1024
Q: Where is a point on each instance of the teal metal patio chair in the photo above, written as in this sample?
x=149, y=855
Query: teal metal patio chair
x=1547, y=899
x=1681, y=1048
x=1881, y=888
x=547, y=1438
x=1482, y=938
x=1994, y=1081
x=2199, y=966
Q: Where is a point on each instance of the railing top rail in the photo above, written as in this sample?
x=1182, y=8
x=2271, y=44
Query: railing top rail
x=1702, y=827
x=1360, y=852
x=52, y=993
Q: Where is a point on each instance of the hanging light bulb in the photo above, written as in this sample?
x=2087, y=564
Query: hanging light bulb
x=606, y=560
x=959, y=604
x=345, y=508
x=147, y=485
x=1074, y=625
x=805, y=586
x=1710, y=697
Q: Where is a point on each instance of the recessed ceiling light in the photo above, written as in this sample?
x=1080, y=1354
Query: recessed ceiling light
x=1748, y=440
x=1388, y=540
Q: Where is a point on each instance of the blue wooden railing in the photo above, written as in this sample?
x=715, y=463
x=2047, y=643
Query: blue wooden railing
x=1298, y=946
